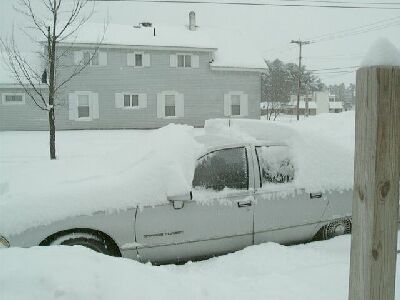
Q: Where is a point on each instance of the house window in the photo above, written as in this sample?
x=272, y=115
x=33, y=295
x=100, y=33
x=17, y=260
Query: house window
x=91, y=58
x=184, y=61
x=235, y=105
x=13, y=99
x=131, y=100
x=138, y=60
x=170, y=105
x=83, y=106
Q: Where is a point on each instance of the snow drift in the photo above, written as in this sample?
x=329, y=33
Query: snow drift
x=116, y=170
x=141, y=170
x=322, y=146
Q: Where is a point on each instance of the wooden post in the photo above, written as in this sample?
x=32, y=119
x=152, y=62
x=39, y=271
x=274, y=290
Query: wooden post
x=376, y=184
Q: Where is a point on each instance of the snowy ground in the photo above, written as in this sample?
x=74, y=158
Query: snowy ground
x=317, y=270
x=313, y=271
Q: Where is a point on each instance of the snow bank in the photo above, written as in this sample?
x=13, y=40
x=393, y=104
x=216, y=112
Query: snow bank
x=268, y=271
x=314, y=271
x=382, y=53
x=142, y=169
x=322, y=146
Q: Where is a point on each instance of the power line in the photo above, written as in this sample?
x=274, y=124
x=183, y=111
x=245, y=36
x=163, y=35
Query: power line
x=328, y=6
x=337, y=68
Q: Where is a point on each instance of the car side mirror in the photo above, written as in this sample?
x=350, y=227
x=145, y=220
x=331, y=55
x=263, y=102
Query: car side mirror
x=178, y=201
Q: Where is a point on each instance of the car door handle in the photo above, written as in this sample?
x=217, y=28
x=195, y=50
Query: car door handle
x=315, y=195
x=244, y=203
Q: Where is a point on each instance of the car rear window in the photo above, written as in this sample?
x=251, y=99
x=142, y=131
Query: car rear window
x=222, y=169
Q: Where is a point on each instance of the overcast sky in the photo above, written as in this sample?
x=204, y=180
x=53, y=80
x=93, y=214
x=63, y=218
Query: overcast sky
x=271, y=28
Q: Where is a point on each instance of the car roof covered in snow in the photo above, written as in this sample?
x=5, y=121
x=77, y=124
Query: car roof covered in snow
x=215, y=142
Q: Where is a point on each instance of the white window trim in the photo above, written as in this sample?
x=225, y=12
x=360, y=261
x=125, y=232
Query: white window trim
x=4, y=102
x=241, y=94
x=191, y=61
x=92, y=52
x=130, y=94
x=83, y=93
x=177, y=95
x=134, y=55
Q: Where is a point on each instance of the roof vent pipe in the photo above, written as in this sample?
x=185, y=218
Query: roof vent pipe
x=192, y=21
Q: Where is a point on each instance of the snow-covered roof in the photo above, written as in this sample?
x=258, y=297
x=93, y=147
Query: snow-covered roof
x=6, y=75
x=336, y=105
x=302, y=104
x=232, y=49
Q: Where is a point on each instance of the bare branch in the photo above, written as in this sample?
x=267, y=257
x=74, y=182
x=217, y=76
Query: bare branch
x=23, y=72
x=27, y=10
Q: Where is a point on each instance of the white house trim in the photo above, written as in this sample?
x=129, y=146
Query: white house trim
x=244, y=104
x=119, y=100
x=131, y=59
x=138, y=47
x=179, y=105
x=93, y=106
x=237, y=69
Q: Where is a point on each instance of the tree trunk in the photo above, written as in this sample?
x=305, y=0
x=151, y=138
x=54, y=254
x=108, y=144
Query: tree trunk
x=52, y=127
x=52, y=58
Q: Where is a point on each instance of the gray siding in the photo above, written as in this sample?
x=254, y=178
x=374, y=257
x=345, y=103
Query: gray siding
x=203, y=91
x=21, y=117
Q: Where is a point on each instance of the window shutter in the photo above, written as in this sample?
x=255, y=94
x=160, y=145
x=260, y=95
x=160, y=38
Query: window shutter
x=195, y=61
x=73, y=106
x=160, y=105
x=142, y=100
x=244, y=105
x=94, y=105
x=103, y=58
x=130, y=59
x=179, y=105
x=78, y=58
x=119, y=100
x=173, y=61
x=146, y=60
x=227, y=105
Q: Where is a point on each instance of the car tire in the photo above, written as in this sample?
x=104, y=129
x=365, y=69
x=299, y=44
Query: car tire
x=91, y=241
x=336, y=228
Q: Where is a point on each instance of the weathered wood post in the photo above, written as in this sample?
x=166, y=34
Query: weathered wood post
x=376, y=184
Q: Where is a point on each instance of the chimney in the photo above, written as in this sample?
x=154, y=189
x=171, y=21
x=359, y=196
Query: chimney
x=192, y=21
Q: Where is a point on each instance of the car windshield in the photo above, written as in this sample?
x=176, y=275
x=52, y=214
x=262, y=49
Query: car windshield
x=222, y=169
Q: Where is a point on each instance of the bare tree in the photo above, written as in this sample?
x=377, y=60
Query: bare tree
x=61, y=22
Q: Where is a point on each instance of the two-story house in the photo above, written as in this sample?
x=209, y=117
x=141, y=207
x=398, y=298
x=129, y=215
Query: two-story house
x=146, y=76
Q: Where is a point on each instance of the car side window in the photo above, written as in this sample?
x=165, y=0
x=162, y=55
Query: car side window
x=275, y=165
x=221, y=169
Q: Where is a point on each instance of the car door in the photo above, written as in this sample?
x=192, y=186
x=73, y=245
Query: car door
x=283, y=213
x=219, y=218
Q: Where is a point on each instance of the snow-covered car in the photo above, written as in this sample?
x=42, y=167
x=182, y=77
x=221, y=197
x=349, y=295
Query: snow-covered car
x=243, y=194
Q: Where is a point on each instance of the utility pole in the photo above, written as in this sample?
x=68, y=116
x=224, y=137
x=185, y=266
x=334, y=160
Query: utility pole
x=300, y=43
x=376, y=184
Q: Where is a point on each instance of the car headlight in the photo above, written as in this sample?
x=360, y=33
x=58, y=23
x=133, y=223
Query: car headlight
x=3, y=242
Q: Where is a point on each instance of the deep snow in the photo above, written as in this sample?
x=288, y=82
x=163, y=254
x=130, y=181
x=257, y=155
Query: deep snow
x=314, y=271
x=382, y=53
x=111, y=170
x=95, y=170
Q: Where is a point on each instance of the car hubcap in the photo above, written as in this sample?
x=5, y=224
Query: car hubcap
x=340, y=229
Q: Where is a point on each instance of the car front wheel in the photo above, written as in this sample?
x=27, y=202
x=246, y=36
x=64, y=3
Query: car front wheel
x=87, y=240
